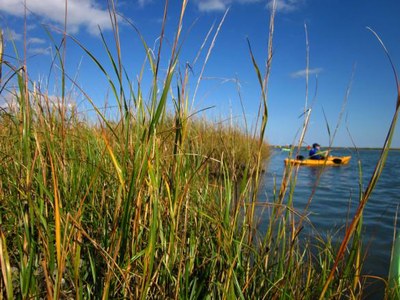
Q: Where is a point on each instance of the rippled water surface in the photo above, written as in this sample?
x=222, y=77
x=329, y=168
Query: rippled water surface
x=336, y=198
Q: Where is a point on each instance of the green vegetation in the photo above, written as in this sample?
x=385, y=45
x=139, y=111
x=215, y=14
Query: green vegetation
x=157, y=204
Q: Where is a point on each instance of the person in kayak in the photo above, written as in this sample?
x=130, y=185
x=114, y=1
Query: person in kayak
x=315, y=152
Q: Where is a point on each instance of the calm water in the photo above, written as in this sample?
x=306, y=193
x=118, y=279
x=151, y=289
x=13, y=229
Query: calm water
x=336, y=199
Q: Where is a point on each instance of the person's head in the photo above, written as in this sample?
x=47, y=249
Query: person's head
x=316, y=146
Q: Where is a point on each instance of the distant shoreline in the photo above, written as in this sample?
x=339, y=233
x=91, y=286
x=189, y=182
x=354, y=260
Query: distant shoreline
x=338, y=148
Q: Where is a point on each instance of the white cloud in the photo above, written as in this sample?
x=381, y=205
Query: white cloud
x=303, y=73
x=213, y=5
x=40, y=51
x=11, y=35
x=285, y=5
x=222, y=5
x=143, y=3
x=36, y=41
x=249, y=1
x=81, y=13
x=9, y=103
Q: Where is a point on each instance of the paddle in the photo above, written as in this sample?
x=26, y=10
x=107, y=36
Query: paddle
x=323, y=153
x=320, y=154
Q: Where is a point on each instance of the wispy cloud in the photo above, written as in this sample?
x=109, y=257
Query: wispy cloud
x=35, y=48
x=11, y=35
x=213, y=5
x=286, y=5
x=143, y=3
x=303, y=73
x=40, y=51
x=8, y=101
x=36, y=41
x=249, y=1
x=81, y=13
x=221, y=5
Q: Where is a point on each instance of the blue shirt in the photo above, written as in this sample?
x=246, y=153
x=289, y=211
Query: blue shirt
x=313, y=154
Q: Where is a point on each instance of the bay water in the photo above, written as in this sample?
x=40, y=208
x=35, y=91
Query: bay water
x=335, y=199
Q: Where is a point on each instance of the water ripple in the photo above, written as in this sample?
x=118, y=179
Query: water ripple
x=336, y=198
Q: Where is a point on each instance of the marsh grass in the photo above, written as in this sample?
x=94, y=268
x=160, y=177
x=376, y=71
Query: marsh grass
x=156, y=203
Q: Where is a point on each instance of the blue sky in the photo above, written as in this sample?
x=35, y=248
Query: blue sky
x=343, y=54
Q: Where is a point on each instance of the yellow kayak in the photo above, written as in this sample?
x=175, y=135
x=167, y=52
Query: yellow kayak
x=329, y=161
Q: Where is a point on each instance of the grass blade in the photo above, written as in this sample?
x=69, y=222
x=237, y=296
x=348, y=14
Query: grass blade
x=5, y=266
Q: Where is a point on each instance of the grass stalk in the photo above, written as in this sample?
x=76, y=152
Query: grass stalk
x=5, y=267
